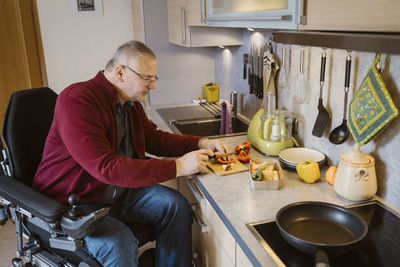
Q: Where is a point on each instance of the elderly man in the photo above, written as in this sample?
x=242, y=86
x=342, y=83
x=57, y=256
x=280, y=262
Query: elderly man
x=96, y=149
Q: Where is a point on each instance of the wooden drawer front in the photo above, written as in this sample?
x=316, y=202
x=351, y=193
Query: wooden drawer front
x=218, y=228
x=241, y=258
x=213, y=254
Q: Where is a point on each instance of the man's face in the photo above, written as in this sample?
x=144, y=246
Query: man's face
x=137, y=85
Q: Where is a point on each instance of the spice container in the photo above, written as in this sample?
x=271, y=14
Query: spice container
x=211, y=92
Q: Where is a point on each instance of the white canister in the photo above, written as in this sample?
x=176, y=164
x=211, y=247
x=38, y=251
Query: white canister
x=355, y=177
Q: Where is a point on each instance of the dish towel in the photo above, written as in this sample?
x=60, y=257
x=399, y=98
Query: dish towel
x=226, y=118
x=371, y=108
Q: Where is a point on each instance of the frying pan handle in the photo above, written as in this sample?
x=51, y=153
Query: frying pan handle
x=321, y=259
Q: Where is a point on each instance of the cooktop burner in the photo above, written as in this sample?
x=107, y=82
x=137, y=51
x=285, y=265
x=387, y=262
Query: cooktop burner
x=381, y=246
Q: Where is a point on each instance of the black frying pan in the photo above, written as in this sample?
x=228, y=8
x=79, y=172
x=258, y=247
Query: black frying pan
x=320, y=228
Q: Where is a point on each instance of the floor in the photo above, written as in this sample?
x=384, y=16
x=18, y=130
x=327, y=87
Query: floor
x=8, y=244
x=8, y=241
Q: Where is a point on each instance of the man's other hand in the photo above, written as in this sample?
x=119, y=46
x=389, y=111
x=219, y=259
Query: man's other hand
x=193, y=162
x=215, y=145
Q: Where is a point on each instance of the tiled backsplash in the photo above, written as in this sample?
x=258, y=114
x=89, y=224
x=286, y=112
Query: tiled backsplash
x=385, y=148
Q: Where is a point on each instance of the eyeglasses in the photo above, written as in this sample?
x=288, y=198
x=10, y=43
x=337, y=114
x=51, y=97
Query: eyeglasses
x=148, y=81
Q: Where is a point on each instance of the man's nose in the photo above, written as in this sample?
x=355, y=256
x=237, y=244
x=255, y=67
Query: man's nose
x=152, y=85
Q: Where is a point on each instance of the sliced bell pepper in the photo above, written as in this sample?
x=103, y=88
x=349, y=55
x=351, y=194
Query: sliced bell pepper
x=245, y=146
x=223, y=161
x=243, y=157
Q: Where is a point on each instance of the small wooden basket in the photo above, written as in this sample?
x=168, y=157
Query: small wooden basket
x=263, y=184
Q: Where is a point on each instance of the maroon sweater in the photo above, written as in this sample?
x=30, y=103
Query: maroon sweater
x=80, y=152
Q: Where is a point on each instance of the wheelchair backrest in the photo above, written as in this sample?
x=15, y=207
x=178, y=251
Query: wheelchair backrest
x=26, y=124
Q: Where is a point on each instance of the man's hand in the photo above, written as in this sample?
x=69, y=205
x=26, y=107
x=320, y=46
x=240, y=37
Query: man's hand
x=214, y=145
x=193, y=162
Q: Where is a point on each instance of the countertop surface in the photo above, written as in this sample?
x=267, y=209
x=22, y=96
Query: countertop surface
x=237, y=204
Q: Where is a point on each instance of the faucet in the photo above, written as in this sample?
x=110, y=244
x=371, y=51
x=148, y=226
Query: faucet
x=233, y=101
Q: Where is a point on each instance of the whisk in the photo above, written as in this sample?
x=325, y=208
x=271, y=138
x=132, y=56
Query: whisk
x=301, y=94
x=282, y=78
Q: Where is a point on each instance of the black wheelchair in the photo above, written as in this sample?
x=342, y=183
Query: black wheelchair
x=48, y=233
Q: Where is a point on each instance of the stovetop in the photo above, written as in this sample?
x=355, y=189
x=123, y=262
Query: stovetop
x=381, y=246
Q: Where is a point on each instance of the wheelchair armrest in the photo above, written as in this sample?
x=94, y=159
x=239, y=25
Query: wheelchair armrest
x=78, y=227
x=32, y=201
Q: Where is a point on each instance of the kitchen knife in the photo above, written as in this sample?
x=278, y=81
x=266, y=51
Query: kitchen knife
x=245, y=61
x=261, y=71
x=255, y=72
x=251, y=76
x=215, y=156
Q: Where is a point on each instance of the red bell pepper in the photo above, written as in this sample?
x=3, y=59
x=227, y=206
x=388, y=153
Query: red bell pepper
x=243, y=157
x=245, y=146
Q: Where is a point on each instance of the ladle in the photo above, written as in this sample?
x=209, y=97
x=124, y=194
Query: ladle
x=340, y=134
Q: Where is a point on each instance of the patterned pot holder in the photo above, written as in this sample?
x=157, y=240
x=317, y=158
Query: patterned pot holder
x=371, y=108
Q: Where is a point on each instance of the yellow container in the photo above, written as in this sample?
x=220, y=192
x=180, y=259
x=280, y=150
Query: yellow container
x=211, y=92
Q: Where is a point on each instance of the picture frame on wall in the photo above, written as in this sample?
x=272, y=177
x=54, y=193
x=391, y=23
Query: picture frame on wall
x=86, y=7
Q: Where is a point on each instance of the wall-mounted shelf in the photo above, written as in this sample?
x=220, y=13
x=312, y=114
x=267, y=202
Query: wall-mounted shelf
x=371, y=42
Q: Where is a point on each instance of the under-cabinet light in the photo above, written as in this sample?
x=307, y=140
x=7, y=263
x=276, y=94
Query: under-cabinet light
x=250, y=29
x=221, y=46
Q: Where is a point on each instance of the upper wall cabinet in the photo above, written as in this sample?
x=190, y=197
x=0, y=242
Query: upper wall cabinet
x=322, y=15
x=273, y=14
x=186, y=26
x=354, y=15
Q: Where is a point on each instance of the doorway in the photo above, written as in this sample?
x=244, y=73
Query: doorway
x=21, y=58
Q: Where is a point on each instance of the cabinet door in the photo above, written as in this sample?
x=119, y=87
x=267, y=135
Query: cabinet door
x=177, y=29
x=241, y=258
x=219, y=231
x=276, y=14
x=243, y=6
x=213, y=255
x=217, y=245
x=355, y=15
x=195, y=12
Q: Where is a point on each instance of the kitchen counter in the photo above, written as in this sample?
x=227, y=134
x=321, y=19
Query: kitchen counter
x=237, y=204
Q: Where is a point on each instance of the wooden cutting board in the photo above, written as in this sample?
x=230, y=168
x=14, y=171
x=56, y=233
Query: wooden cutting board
x=217, y=168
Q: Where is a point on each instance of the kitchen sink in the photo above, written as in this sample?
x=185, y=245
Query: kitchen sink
x=207, y=127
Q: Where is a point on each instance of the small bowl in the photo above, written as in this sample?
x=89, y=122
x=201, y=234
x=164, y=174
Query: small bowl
x=274, y=184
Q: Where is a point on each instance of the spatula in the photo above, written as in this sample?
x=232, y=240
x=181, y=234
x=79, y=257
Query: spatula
x=323, y=115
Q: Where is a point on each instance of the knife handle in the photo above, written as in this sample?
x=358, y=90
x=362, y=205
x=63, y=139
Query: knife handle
x=323, y=64
x=244, y=71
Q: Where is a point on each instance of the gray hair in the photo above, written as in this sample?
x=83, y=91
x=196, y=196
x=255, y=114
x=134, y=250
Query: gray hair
x=129, y=51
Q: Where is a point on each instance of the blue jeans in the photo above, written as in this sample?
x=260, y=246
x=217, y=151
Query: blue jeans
x=113, y=244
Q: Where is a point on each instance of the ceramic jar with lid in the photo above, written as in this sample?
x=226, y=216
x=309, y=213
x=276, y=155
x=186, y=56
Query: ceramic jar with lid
x=355, y=177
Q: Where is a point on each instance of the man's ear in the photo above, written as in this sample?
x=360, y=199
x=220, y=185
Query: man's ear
x=119, y=73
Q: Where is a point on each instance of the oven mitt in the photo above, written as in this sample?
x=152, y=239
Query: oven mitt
x=371, y=108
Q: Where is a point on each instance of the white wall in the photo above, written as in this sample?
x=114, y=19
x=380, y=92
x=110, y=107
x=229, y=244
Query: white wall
x=181, y=70
x=76, y=48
